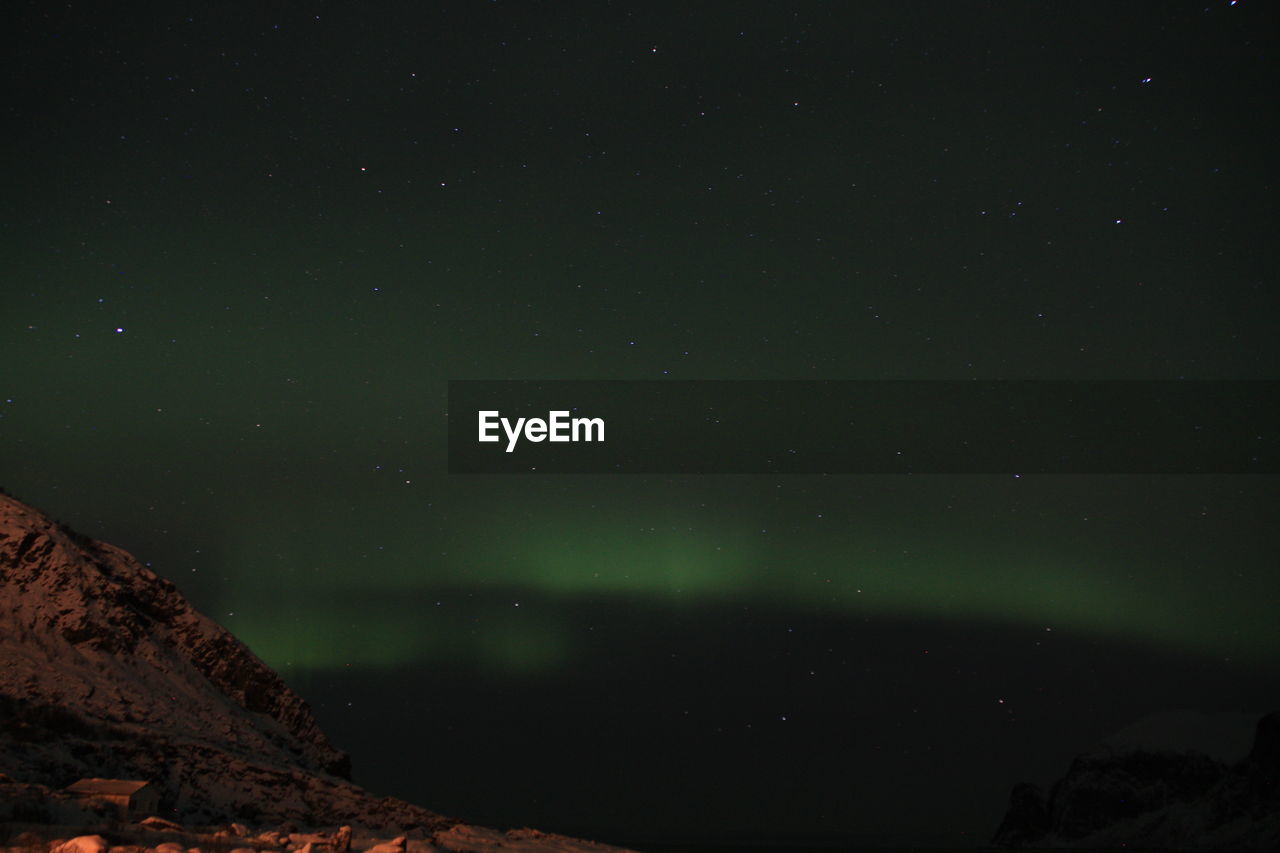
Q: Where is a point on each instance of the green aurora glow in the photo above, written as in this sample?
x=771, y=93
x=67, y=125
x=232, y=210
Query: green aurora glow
x=296, y=582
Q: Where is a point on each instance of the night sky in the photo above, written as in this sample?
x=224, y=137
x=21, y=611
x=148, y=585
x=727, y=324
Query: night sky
x=246, y=246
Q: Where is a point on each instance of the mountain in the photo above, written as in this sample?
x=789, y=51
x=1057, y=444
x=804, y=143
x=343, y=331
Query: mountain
x=108, y=671
x=1176, y=780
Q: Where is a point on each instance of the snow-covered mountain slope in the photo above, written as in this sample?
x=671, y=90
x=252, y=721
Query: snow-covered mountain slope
x=106, y=670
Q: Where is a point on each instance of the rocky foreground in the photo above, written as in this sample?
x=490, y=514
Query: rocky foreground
x=164, y=837
x=109, y=672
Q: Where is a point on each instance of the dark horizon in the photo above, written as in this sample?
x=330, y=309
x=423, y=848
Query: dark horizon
x=249, y=249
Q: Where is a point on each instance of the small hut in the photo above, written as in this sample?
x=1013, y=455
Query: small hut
x=127, y=798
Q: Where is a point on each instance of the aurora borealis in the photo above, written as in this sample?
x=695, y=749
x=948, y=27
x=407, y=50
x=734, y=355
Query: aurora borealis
x=246, y=249
x=662, y=545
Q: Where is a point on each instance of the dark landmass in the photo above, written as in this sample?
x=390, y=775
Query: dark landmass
x=1146, y=799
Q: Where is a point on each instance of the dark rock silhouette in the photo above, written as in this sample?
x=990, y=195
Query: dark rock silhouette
x=1160, y=799
x=1027, y=819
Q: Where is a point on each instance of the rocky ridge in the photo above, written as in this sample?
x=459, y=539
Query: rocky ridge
x=108, y=671
x=1156, y=799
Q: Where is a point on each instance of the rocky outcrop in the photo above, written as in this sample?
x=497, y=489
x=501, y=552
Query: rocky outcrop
x=109, y=672
x=1027, y=820
x=1137, y=797
x=90, y=606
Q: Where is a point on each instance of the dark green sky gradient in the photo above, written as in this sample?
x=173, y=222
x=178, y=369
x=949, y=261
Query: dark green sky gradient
x=306, y=231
